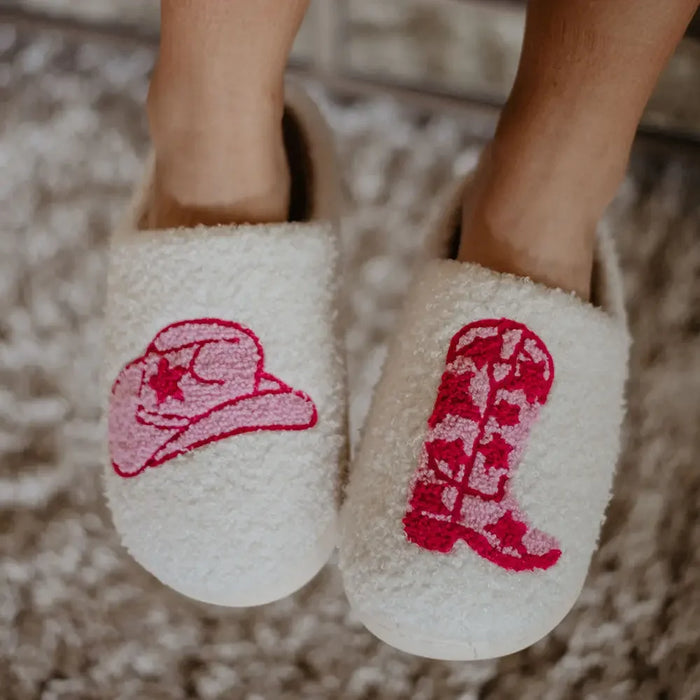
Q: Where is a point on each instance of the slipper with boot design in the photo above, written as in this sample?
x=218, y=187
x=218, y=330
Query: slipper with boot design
x=480, y=485
x=226, y=389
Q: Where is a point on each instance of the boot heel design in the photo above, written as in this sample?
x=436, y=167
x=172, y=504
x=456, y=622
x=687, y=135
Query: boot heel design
x=498, y=375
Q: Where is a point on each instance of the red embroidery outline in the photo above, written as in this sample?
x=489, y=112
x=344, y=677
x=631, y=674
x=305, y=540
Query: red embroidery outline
x=159, y=421
x=460, y=481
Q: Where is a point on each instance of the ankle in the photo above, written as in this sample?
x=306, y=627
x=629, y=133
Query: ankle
x=534, y=217
x=551, y=262
x=220, y=157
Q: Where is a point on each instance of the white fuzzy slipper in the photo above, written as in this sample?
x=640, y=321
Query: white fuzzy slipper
x=479, y=489
x=226, y=390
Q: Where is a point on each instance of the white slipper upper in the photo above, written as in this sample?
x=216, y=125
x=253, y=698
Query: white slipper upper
x=480, y=485
x=226, y=393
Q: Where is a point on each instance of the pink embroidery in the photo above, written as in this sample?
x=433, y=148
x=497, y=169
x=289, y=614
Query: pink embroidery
x=498, y=374
x=166, y=381
x=198, y=382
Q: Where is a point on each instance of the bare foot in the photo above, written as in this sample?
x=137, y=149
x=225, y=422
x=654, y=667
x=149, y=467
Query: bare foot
x=219, y=166
x=215, y=109
x=517, y=225
x=560, y=151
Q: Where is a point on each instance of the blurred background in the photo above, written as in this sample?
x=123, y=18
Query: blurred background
x=412, y=90
x=465, y=49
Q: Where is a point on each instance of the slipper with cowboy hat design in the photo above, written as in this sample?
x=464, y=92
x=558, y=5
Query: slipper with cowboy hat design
x=227, y=399
x=477, y=495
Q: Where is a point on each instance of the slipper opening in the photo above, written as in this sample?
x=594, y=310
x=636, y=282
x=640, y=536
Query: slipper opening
x=301, y=167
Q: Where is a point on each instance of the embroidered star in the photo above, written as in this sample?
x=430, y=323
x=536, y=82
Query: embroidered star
x=506, y=413
x=454, y=399
x=496, y=453
x=530, y=379
x=166, y=382
x=509, y=531
x=445, y=457
x=484, y=350
x=533, y=376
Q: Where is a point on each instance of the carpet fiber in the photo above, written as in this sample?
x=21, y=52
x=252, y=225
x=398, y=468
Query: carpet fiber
x=79, y=620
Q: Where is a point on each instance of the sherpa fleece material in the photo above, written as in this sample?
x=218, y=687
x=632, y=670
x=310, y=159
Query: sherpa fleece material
x=226, y=396
x=476, y=499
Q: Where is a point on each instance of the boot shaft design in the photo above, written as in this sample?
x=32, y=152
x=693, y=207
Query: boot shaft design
x=498, y=375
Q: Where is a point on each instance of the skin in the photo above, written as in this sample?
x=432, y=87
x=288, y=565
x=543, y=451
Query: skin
x=215, y=110
x=587, y=70
x=560, y=152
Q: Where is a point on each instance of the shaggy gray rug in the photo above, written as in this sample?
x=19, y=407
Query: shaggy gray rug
x=79, y=620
